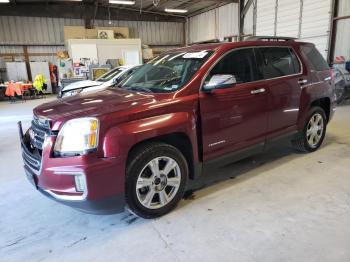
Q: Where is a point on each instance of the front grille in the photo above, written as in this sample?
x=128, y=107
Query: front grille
x=31, y=160
x=40, y=128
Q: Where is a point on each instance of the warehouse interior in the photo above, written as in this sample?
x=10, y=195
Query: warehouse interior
x=277, y=205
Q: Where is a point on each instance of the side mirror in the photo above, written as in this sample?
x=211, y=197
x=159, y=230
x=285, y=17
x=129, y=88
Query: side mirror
x=219, y=81
x=115, y=82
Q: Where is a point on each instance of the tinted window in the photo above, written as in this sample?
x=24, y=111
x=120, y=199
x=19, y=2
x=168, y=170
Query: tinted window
x=239, y=63
x=276, y=62
x=315, y=58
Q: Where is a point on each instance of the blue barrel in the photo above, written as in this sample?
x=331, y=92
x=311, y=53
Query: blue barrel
x=347, y=65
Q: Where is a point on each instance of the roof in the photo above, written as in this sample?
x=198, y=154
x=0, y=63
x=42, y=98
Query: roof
x=230, y=45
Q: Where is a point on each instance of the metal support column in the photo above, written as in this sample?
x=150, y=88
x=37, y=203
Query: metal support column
x=26, y=59
x=333, y=31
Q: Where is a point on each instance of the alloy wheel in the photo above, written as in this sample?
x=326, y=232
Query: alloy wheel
x=158, y=182
x=315, y=129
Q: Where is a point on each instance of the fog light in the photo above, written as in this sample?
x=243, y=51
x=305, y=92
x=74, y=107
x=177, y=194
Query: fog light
x=80, y=183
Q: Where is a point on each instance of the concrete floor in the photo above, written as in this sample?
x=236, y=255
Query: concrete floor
x=280, y=206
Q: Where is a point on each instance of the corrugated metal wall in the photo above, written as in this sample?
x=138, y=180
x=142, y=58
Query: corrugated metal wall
x=315, y=26
x=34, y=30
x=343, y=7
x=288, y=16
x=342, y=40
x=265, y=20
x=214, y=24
x=43, y=30
x=248, y=27
x=151, y=33
x=308, y=20
x=49, y=31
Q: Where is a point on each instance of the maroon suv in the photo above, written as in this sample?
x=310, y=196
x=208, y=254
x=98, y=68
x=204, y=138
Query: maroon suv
x=137, y=145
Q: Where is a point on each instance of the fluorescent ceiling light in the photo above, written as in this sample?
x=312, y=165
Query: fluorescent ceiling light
x=121, y=2
x=171, y=10
x=4, y=1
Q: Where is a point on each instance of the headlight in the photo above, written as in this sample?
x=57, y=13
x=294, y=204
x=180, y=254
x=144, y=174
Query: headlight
x=72, y=92
x=77, y=136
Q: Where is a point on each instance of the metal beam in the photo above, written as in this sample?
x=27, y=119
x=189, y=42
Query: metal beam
x=151, y=7
x=241, y=20
x=78, y=11
x=29, y=54
x=26, y=60
x=149, y=12
x=246, y=8
x=341, y=17
x=38, y=44
x=206, y=9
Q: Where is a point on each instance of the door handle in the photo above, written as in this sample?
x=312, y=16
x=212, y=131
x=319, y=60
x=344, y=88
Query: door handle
x=257, y=91
x=302, y=81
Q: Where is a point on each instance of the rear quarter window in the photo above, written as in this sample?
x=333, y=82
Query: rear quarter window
x=315, y=58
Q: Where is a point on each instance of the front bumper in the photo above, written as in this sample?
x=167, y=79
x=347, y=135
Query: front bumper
x=108, y=205
x=55, y=177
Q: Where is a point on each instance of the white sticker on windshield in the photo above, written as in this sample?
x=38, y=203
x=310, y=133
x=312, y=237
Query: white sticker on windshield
x=169, y=88
x=200, y=54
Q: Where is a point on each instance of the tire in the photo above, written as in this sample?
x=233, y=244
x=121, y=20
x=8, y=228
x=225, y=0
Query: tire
x=303, y=140
x=152, y=192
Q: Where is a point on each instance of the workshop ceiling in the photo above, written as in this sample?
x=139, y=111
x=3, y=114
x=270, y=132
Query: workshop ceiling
x=153, y=10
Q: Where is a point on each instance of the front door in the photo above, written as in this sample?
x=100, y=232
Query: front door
x=234, y=117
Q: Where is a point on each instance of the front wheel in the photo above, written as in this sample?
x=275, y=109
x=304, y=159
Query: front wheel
x=156, y=178
x=311, y=137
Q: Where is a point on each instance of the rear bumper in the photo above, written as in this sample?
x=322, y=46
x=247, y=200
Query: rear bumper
x=100, y=188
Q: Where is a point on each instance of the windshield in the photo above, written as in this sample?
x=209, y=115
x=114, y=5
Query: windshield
x=110, y=74
x=166, y=73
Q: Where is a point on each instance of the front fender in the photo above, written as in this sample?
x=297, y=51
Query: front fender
x=118, y=140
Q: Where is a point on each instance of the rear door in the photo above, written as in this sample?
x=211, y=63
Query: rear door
x=280, y=68
x=234, y=117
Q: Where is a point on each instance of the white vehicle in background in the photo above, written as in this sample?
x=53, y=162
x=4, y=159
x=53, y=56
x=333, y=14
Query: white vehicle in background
x=111, y=78
x=341, y=83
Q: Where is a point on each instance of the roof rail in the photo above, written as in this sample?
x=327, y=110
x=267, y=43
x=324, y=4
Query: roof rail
x=270, y=38
x=212, y=41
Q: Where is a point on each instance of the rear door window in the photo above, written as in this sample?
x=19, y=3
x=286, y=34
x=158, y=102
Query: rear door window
x=315, y=58
x=276, y=62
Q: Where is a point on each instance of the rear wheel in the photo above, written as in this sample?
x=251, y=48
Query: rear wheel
x=156, y=178
x=311, y=137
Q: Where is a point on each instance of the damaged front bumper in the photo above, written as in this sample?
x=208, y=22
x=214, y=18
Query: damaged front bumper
x=86, y=182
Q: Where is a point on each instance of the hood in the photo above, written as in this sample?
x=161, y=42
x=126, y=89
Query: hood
x=104, y=85
x=81, y=84
x=111, y=100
